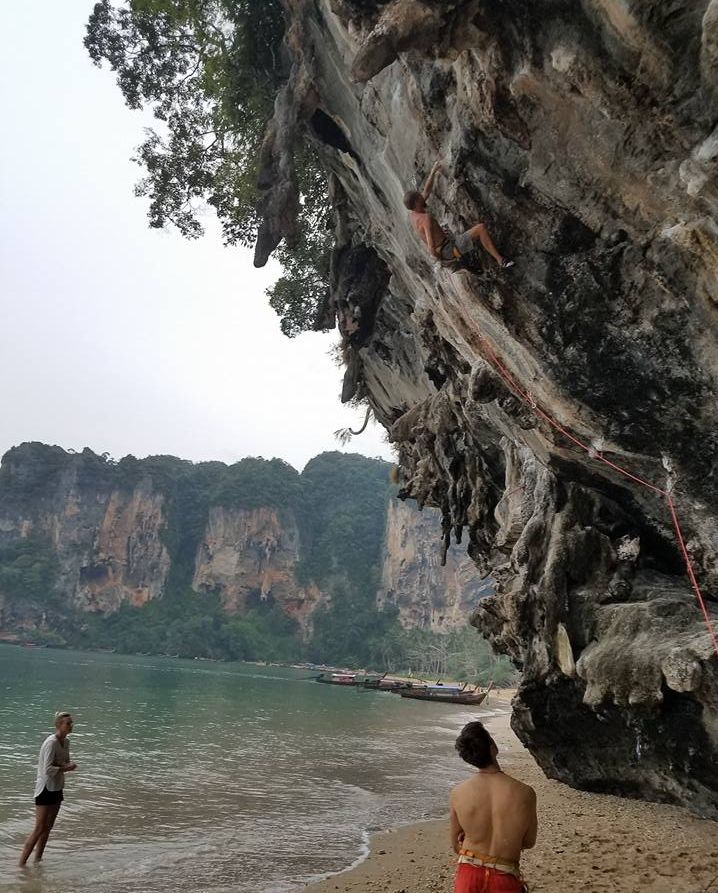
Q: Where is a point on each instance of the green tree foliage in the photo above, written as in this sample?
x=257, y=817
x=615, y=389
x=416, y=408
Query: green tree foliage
x=458, y=654
x=28, y=571
x=352, y=631
x=27, y=470
x=188, y=624
x=210, y=71
x=256, y=483
x=342, y=518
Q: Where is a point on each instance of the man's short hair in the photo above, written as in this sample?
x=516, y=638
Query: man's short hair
x=411, y=197
x=60, y=716
x=474, y=745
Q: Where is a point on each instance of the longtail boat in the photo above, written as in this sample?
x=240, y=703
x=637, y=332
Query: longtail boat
x=387, y=684
x=338, y=678
x=372, y=681
x=446, y=695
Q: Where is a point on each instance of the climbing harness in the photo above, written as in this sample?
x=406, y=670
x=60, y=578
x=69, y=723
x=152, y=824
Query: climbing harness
x=598, y=456
x=453, y=263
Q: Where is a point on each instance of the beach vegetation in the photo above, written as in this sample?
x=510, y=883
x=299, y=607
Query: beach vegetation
x=191, y=624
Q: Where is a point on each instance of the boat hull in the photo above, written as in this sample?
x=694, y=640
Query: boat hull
x=329, y=681
x=386, y=685
x=445, y=697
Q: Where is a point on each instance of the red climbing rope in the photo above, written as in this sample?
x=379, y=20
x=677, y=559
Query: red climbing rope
x=593, y=454
x=691, y=573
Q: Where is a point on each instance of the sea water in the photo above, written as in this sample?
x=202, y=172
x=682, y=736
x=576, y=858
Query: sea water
x=210, y=777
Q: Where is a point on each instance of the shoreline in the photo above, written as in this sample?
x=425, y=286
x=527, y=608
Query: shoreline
x=427, y=839
x=594, y=842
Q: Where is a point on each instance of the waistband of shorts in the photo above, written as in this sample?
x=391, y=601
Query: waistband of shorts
x=480, y=860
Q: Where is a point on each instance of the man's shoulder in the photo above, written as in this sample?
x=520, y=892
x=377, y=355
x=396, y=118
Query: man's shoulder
x=521, y=787
x=459, y=789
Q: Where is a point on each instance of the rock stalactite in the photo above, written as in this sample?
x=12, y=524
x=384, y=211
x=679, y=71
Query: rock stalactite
x=583, y=134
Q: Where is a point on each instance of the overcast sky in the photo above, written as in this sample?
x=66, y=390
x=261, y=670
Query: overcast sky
x=115, y=336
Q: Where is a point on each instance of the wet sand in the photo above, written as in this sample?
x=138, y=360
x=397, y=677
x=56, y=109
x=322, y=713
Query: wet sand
x=587, y=842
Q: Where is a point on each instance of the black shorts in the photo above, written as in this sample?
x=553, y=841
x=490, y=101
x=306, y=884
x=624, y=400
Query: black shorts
x=49, y=798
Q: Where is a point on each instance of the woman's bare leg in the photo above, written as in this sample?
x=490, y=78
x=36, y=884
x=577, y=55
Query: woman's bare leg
x=479, y=233
x=41, y=813
x=42, y=840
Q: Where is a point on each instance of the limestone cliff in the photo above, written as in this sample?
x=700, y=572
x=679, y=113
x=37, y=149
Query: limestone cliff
x=107, y=541
x=81, y=533
x=583, y=135
x=427, y=594
x=247, y=555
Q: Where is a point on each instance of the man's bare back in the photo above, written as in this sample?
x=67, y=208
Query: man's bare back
x=493, y=818
x=496, y=815
x=428, y=230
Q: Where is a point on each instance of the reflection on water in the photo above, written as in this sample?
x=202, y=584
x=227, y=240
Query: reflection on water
x=210, y=777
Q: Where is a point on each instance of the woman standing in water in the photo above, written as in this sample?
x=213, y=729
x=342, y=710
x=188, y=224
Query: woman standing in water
x=52, y=765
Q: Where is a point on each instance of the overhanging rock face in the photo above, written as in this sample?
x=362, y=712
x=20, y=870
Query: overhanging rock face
x=581, y=133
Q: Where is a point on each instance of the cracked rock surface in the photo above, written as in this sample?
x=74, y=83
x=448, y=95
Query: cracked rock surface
x=583, y=135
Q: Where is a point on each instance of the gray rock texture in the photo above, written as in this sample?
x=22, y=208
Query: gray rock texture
x=583, y=135
x=107, y=539
x=428, y=595
x=245, y=554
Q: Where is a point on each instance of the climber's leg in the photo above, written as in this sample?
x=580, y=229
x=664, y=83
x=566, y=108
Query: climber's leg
x=479, y=233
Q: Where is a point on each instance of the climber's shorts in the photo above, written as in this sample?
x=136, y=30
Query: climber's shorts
x=456, y=245
x=474, y=878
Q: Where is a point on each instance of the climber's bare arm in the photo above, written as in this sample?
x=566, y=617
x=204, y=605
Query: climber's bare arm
x=429, y=184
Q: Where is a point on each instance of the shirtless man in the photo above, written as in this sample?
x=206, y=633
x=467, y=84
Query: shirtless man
x=446, y=247
x=493, y=818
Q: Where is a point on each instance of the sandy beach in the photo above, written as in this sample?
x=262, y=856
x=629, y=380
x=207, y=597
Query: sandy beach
x=588, y=842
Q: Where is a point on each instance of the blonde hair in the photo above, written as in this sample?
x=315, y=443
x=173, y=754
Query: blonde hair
x=63, y=714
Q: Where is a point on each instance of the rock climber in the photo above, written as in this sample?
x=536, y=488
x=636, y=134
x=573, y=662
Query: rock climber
x=447, y=248
x=493, y=818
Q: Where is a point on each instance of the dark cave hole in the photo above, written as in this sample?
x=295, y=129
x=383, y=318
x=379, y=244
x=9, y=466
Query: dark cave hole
x=327, y=130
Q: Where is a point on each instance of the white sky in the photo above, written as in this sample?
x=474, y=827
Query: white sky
x=115, y=336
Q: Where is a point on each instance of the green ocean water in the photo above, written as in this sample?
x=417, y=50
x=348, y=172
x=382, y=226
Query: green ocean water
x=197, y=776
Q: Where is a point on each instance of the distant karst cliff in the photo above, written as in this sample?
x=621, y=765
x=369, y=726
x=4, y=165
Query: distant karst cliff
x=429, y=595
x=247, y=553
x=82, y=533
